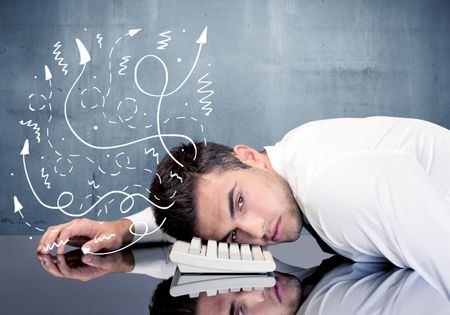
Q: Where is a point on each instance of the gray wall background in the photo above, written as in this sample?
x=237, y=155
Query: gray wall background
x=273, y=65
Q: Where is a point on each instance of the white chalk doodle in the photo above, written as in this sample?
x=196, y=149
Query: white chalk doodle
x=99, y=40
x=154, y=154
x=124, y=111
x=163, y=43
x=18, y=209
x=204, y=100
x=35, y=127
x=176, y=175
x=123, y=65
x=60, y=60
x=45, y=177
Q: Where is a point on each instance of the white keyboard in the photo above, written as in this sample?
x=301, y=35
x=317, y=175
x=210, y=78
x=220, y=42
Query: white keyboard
x=194, y=284
x=218, y=257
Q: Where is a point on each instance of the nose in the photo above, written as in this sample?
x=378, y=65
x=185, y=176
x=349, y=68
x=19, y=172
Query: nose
x=253, y=226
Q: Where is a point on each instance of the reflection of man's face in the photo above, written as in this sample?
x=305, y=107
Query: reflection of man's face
x=253, y=205
x=283, y=298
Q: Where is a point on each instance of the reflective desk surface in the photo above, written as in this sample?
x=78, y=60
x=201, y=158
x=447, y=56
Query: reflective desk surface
x=34, y=286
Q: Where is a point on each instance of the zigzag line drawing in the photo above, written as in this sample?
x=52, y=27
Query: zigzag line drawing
x=45, y=176
x=154, y=153
x=35, y=127
x=103, y=237
x=207, y=93
x=60, y=60
x=123, y=65
x=163, y=43
x=48, y=248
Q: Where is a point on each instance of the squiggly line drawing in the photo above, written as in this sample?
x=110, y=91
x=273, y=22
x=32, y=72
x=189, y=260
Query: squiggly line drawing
x=61, y=207
x=45, y=176
x=123, y=65
x=175, y=175
x=84, y=59
x=60, y=60
x=207, y=93
x=100, y=38
x=154, y=153
x=162, y=44
x=92, y=183
x=35, y=127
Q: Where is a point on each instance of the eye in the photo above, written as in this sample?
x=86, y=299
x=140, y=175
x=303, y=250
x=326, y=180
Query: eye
x=240, y=202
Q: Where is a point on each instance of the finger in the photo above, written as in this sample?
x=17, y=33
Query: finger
x=77, y=241
x=50, y=266
x=49, y=238
x=92, y=246
x=74, y=228
x=93, y=261
x=66, y=271
x=40, y=248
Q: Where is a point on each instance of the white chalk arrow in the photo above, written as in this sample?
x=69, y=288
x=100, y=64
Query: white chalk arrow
x=84, y=54
x=18, y=206
x=202, y=40
x=133, y=32
x=25, y=148
x=48, y=74
x=203, y=37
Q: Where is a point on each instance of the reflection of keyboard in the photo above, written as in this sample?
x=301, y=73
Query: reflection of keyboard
x=221, y=257
x=194, y=284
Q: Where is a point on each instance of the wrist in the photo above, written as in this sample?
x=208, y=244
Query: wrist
x=124, y=228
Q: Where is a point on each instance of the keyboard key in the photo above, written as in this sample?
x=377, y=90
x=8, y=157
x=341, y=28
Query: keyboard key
x=234, y=251
x=211, y=250
x=223, y=251
x=196, y=245
x=203, y=251
x=246, y=254
x=257, y=253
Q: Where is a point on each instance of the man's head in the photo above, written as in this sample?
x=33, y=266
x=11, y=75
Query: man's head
x=224, y=193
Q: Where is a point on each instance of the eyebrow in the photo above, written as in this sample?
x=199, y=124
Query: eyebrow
x=231, y=208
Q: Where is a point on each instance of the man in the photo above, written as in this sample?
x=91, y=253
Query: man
x=373, y=189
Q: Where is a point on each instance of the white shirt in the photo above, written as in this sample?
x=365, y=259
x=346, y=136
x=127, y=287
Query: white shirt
x=374, y=188
x=369, y=289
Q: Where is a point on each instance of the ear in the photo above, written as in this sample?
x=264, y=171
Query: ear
x=249, y=156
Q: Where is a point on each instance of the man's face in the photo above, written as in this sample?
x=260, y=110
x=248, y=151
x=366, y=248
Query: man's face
x=282, y=299
x=252, y=205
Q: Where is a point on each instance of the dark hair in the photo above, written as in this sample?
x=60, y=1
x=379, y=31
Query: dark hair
x=178, y=184
x=164, y=304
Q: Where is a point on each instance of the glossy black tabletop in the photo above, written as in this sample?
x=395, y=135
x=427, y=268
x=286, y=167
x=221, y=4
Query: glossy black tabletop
x=32, y=284
x=26, y=288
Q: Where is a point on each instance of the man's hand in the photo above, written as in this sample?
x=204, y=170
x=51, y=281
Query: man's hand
x=75, y=265
x=91, y=235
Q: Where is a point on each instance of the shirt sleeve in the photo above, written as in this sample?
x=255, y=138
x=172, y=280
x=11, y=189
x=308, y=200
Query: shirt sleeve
x=153, y=262
x=145, y=223
x=385, y=204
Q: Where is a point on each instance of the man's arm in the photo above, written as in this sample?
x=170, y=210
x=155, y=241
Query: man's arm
x=385, y=204
x=94, y=236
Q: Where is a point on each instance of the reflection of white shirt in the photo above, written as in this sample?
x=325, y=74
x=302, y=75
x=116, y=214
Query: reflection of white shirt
x=374, y=188
x=368, y=289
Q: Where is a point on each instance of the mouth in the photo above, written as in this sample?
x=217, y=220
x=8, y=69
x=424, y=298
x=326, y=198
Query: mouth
x=277, y=231
x=277, y=288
